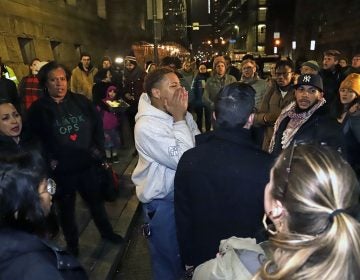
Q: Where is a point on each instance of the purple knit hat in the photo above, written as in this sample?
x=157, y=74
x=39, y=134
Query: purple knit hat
x=110, y=88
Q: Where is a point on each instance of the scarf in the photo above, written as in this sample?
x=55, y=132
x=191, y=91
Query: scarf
x=296, y=121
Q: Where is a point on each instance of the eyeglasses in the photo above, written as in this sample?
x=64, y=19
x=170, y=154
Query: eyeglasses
x=50, y=186
x=282, y=74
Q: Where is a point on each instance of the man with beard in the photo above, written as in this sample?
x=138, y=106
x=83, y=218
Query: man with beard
x=305, y=119
x=216, y=82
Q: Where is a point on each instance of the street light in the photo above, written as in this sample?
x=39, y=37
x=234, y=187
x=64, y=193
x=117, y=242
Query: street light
x=119, y=60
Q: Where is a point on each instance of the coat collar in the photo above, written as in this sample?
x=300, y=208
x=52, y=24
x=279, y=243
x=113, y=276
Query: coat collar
x=237, y=135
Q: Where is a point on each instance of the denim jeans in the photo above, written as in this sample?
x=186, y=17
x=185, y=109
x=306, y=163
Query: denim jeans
x=163, y=244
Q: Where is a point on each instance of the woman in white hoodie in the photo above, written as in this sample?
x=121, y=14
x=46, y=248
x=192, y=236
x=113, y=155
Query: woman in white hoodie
x=164, y=130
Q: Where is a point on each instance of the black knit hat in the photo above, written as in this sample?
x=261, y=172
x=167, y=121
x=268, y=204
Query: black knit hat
x=310, y=80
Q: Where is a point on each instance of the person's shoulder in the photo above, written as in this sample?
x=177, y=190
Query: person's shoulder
x=261, y=81
x=78, y=97
x=93, y=70
x=76, y=69
x=39, y=102
x=203, y=148
x=9, y=82
x=230, y=77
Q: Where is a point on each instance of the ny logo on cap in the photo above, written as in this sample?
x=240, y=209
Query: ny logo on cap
x=306, y=79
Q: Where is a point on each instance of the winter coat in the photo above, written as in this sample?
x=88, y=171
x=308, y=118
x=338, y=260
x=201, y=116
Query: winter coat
x=27, y=257
x=260, y=86
x=271, y=106
x=234, y=71
x=82, y=81
x=212, y=87
x=29, y=91
x=351, y=131
x=197, y=88
x=26, y=142
x=319, y=128
x=134, y=84
x=331, y=81
x=219, y=192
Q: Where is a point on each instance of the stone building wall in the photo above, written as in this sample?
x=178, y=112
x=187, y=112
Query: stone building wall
x=53, y=29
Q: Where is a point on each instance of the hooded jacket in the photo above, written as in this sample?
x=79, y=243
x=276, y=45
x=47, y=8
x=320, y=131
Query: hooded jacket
x=160, y=143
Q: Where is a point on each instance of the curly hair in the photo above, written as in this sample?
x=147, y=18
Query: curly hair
x=320, y=193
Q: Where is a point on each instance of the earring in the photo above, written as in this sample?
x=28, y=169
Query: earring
x=266, y=226
x=276, y=212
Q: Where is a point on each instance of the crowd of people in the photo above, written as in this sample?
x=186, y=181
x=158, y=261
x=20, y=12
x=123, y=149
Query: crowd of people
x=217, y=148
x=211, y=185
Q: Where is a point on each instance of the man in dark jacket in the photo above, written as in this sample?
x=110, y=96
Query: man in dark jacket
x=231, y=69
x=332, y=76
x=219, y=185
x=306, y=119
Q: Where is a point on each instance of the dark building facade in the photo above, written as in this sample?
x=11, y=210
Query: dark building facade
x=331, y=24
x=62, y=29
x=291, y=26
x=175, y=21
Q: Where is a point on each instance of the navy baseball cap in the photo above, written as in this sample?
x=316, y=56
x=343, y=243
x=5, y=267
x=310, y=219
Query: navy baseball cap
x=310, y=80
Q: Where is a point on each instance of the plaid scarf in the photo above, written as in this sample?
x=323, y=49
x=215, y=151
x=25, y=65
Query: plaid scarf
x=296, y=121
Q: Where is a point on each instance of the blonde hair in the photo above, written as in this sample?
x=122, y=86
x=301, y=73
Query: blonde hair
x=252, y=62
x=312, y=182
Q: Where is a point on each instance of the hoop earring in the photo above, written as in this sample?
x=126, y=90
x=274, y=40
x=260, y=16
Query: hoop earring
x=267, y=227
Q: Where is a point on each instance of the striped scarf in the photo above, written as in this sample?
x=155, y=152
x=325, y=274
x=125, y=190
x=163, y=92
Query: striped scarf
x=296, y=121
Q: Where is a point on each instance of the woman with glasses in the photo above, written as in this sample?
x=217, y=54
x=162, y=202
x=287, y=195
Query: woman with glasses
x=313, y=201
x=26, y=198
